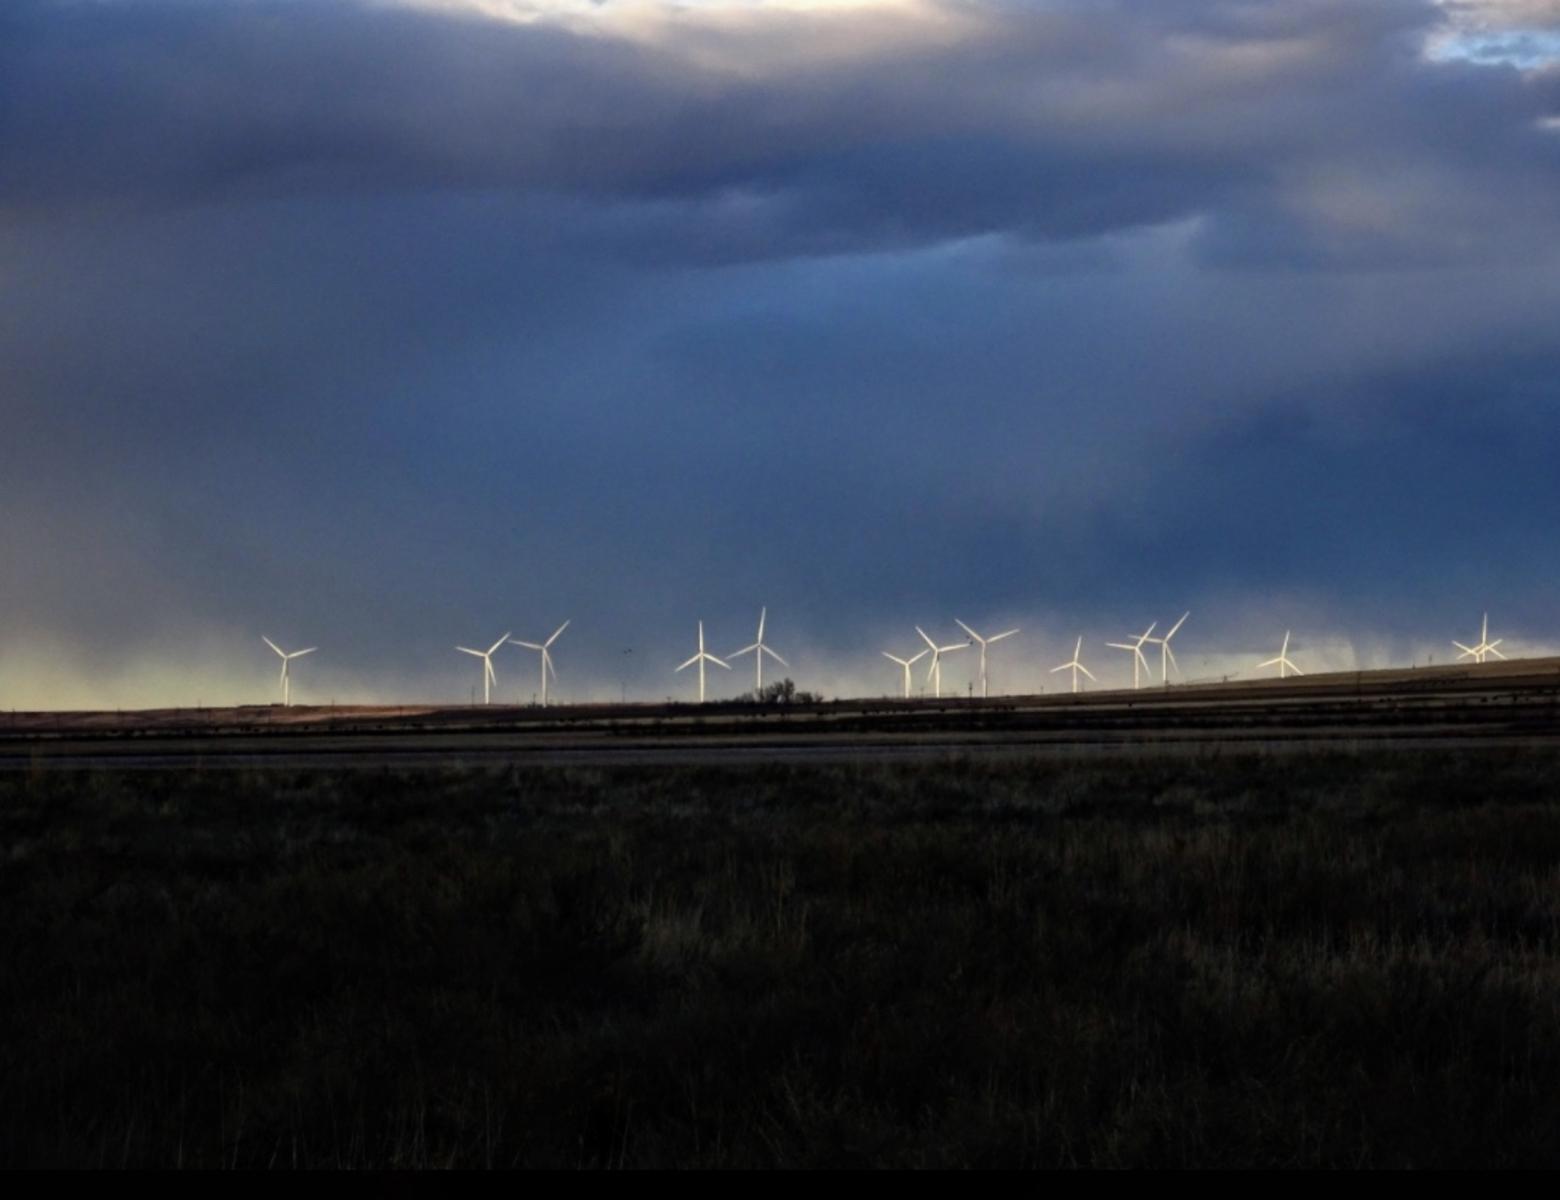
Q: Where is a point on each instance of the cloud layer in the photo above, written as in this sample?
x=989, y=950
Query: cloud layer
x=377, y=325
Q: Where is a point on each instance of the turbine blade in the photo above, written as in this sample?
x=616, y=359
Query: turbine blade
x=762, y=613
x=1464, y=649
x=499, y=643
x=920, y=656
x=744, y=650
x=1087, y=672
x=718, y=662
x=273, y=645
x=301, y=653
x=1272, y=662
x=924, y=638
x=1120, y=646
x=557, y=632
x=688, y=664
x=547, y=663
x=1496, y=653
x=966, y=629
x=1000, y=636
x=527, y=645
x=1065, y=666
x=1177, y=625
x=776, y=657
x=478, y=653
x=900, y=661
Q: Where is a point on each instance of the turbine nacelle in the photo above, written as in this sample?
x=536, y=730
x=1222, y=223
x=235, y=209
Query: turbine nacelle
x=489, y=676
x=1282, y=661
x=758, y=650
x=1136, y=647
x=934, y=672
x=546, y=652
x=983, y=642
x=286, y=658
x=1485, y=648
x=1167, y=655
x=701, y=658
x=1075, y=665
x=906, y=663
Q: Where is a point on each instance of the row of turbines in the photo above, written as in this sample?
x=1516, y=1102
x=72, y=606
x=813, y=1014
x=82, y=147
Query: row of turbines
x=1480, y=652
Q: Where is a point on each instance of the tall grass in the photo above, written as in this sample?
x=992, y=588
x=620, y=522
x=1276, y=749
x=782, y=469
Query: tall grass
x=1325, y=959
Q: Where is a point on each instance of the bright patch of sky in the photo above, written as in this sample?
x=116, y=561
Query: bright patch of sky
x=1519, y=33
x=537, y=10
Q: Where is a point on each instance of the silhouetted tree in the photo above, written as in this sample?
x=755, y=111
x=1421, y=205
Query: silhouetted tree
x=783, y=692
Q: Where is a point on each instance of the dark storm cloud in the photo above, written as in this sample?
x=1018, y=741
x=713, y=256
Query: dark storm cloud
x=376, y=326
x=1057, y=121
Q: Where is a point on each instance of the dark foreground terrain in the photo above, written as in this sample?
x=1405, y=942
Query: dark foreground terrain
x=1227, y=959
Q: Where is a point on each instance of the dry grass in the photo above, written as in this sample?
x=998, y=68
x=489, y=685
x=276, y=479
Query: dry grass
x=1323, y=960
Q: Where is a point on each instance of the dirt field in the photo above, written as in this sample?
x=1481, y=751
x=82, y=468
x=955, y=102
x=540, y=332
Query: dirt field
x=1509, y=703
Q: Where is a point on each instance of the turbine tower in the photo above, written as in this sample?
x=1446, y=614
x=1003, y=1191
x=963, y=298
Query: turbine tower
x=488, y=677
x=935, y=672
x=1075, y=665
x=758, y=650
x=1484, y=648
x=286, y=663
x=1137, y=652
x=547, y=663
x=906, y=663
x=1282, y=661
x=984, y=642
x=1167, y=655
x=701, y=658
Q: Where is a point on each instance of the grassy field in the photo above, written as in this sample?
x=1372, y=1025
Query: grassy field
x=1234, y=960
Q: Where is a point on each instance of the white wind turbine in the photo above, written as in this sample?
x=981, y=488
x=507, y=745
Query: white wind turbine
x=935, y=672
x=1137, y=652
x=701, y=658
x=547, y=663
x=758, y=650
x=1167, y=655
x=1282, y=661
x=488, y=677
x=906, y=663
x=984, y=642
x=1076, y=666
x=1485, y=646
x=286, y=663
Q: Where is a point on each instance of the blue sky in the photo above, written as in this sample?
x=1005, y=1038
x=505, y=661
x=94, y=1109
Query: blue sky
x=390, y=326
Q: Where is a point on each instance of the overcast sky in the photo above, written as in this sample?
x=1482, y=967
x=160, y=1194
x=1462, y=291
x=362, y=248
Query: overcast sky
x=387, y=325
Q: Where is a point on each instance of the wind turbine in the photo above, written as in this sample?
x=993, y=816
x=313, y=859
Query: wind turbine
x=1282, y=661
x=547, y=664
x=1076, y=666
x=984, y=642
x=1485, y=646
x=758, y=650
x=488, y=677
x=906, y=663
x=1137, y=652
x=701, y=658
x=1167, y=655
x=935, y=672
x=286, y=663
